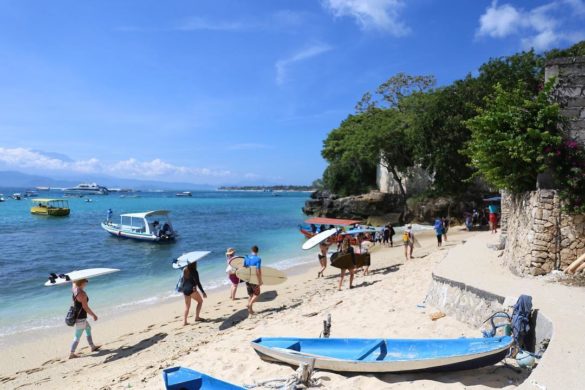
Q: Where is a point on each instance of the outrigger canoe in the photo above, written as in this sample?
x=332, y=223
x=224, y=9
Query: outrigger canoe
x=318, y=221
x=384, y=355
x=181, y=378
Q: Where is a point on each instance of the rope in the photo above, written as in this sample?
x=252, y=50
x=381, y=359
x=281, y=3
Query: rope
x=293, y=382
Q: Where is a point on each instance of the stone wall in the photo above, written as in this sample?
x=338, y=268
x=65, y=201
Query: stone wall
x=570, y=92
x=540, y=237
x=416, y=181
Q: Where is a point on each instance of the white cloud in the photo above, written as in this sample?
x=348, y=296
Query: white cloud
x=538, y=28
x=28, y=159
x=309, y=52
x=371, y=14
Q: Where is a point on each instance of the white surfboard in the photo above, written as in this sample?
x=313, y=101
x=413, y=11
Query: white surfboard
x=58, y=279
x=270, y=276
x=188, y=258
x=318, y=238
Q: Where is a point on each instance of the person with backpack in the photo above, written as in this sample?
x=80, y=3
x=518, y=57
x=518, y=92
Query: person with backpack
x=82, y=309
x=408, y=242
x=190, y=284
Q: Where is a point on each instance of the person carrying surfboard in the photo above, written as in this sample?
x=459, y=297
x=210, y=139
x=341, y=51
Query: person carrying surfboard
x=82, y=309
x=345, y=249
x=190, y=284
x=230, y=254
x=253, y=260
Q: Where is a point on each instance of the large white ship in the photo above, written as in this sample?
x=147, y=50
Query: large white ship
x=87, y=189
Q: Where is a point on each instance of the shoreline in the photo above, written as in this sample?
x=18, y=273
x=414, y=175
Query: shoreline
x=138, y=345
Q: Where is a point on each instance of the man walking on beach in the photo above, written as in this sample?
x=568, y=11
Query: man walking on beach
x=253, y=260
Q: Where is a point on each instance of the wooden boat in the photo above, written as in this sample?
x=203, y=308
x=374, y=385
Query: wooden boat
x=154, y=226
x=384, y=355
x=318, y=221
x=181, y=378
x=52, y=207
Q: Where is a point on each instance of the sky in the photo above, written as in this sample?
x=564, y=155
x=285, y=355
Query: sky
x=230, y=91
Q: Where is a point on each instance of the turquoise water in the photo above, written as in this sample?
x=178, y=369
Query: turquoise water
x=33, y=246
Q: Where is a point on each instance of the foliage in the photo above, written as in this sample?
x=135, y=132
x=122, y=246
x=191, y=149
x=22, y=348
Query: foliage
x=576, y=50
x=568, y=163
x=508, y=137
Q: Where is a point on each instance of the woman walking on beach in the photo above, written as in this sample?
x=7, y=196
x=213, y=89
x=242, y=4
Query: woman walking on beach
x=190, y=284
x=230, y=254
x=323, y=247
x=439, y=231
x=80, y=302
x=408, y=241
x=345, y=249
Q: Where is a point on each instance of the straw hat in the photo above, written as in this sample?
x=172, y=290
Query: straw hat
x=230, y=251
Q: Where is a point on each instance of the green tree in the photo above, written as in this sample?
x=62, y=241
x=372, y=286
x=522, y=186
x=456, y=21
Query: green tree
x=510, y=135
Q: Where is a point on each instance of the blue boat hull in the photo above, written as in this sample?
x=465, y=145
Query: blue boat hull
x=181, y=378
x=385, y=355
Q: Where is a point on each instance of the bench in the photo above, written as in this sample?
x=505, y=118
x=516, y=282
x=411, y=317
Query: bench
x=368, y=349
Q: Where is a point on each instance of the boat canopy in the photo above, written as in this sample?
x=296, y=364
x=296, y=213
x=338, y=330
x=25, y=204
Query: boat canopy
x=146, y=214
x=331, y=221
x=45, y=200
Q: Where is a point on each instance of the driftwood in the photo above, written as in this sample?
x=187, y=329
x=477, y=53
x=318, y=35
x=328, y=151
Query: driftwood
x=575, y=265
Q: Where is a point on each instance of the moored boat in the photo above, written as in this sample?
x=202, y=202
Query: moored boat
x=52, y=207
x=2, y=198
x=154, y=226
x=184, y=194
x=86, y=189
x=16, y=196
x=384, y=355
x=178, y=378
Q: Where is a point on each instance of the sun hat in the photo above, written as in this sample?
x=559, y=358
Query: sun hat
x=409, y=227
x=230, y=251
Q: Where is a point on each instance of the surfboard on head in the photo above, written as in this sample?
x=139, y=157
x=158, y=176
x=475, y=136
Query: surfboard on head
x=69, y=277
x=318, y=238
x=188, y=258
x=270, y=276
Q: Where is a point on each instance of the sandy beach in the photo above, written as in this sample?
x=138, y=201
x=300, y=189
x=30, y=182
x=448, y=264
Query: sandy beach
x=136, y=346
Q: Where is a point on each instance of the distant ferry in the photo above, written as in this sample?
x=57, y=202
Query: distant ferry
x=43, y=188
x=184, y=194
x=87, y=189
x=120, y=190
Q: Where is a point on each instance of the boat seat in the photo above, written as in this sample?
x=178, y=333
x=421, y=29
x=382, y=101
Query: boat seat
x=368, y=349
x=286, y=344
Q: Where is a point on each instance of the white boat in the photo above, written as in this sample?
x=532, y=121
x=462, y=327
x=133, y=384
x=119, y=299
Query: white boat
x=43, y=188
x=152, y=226
x=87, y=189
x=184, y=194
x=16, y=196
x=2, y=198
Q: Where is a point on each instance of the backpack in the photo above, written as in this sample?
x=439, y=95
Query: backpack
x=72, y=314
x=405, y=236
x=180, y=283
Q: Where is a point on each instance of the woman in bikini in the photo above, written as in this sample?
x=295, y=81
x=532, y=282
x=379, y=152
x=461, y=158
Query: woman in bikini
x=234, y=280
x=323, y=247
x=190, y=284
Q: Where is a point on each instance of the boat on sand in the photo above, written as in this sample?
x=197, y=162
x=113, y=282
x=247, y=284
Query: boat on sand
x=181, y=378
x=384, y=355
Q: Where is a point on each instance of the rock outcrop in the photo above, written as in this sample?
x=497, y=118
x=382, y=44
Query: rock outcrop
x=375, y=207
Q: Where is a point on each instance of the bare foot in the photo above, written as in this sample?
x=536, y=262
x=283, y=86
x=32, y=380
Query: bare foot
x=199, y=319
x=73, y=355
x=250, y=311
x=95, y=348
x=185, y=323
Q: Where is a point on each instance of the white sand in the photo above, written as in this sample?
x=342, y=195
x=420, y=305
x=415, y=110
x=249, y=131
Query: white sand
x=138, y=345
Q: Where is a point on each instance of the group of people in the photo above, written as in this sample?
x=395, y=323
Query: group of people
x=488, y=216
x=441, y=228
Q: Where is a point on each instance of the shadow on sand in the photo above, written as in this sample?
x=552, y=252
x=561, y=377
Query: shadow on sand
x=125, y=351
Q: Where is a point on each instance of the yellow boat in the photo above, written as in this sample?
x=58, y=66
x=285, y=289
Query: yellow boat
x=54, y=207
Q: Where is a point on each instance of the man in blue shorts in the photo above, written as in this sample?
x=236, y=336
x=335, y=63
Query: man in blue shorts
x=253, y=260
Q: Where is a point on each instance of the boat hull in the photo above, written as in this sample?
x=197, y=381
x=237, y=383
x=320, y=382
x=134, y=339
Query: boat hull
x=54, y=212
x=114, y=231
x=176, y=378
x=384, y=355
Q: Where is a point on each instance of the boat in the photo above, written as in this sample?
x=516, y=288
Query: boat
x=384, y=355
x=184, y=194
x=43, y=188
x=2, y=198
x=30, y=194
x=181, y=378
x=16, y=196
x=87, y=189
x=154, y=226
x=318, y=221
x=52, y=207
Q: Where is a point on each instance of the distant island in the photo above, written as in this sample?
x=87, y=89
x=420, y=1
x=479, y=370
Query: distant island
x=280, y=188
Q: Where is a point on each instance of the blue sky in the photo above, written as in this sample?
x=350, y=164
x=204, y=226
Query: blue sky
x=230, y=91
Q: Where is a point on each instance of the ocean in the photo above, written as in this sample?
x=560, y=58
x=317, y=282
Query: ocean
x=34, y=246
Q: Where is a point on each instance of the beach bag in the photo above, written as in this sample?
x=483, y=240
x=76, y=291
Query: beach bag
x=405, y=236
x=180, y=283
x=72, y=314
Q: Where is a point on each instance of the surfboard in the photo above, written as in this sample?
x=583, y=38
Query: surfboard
x=188, y=258
x=58, y=279
x=343, y=261
x=237, y=262
x=270, y=276
x=318, y=238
